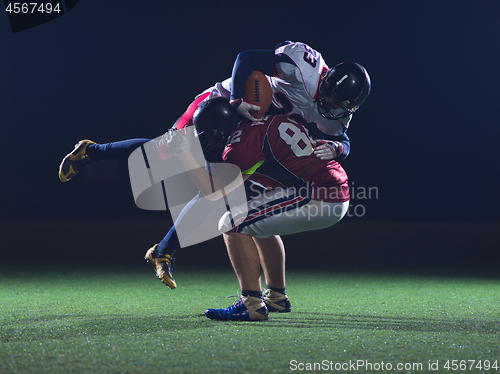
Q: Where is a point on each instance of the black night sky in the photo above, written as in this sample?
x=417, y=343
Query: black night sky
x=427, y=138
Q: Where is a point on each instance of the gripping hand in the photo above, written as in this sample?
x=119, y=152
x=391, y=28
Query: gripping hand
x=244, y=108
x=327, y=149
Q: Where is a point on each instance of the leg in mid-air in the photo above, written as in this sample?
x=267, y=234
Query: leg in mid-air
x=161, y=255
x=194, y=215
x=87, y=152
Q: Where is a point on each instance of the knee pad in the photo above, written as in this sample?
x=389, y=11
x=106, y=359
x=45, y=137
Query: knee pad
x=231, y=219
x=225, y=223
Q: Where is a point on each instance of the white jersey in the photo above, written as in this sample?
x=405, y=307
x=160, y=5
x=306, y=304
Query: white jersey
x=295, y=87
x=298, y=72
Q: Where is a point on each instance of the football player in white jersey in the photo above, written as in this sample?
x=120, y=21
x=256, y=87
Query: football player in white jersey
x=304, y=89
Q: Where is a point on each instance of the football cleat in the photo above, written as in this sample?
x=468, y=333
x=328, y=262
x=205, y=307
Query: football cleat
x=163, y=265
x=245, y=308
x=276, y=301
x=74, y=161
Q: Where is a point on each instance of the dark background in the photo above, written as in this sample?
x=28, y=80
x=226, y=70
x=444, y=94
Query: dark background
x=426, y=139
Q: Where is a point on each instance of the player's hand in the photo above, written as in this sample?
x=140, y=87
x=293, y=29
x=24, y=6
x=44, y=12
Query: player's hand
x=244, y=108
x=184, y=139
x=176, y=141
x=327, y=149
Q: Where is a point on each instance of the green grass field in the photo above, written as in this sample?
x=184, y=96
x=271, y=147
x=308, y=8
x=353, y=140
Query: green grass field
x=76, y=320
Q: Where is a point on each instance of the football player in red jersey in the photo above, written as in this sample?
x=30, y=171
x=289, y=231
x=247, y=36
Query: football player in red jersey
x=303, y=193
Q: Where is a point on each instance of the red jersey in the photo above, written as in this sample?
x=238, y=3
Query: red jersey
x=278, y=152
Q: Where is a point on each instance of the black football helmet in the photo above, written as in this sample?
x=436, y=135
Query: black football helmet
x=346, y=86
x=215, y=119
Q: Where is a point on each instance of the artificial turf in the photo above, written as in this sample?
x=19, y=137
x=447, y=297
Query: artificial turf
x=103, y=320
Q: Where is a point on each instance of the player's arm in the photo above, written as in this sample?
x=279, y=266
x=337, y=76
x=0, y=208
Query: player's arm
x=329, y=147
x=246, y=62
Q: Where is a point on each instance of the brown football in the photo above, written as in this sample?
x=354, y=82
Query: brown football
x=258, y=91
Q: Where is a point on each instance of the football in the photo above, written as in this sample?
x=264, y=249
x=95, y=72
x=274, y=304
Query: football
x=258, y=91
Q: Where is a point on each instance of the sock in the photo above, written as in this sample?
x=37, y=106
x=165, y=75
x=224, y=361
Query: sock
x=280, y=290
x=251, y=293
x=169, y=243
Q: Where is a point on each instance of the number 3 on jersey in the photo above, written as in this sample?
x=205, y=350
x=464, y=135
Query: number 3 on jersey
x=299, y=142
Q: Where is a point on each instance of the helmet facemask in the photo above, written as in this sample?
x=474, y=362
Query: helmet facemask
x=328, y=102
x=345, y=87
x=213, y=143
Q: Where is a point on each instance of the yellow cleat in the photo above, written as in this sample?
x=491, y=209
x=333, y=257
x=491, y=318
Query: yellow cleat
x=162, y=265
x=74, y=161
